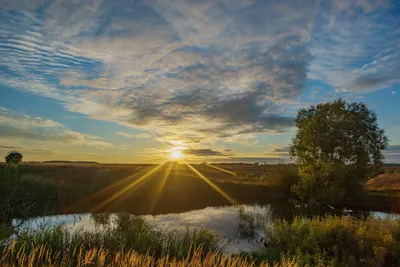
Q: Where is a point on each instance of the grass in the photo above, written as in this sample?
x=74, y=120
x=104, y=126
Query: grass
x=388, y=183
x=80, y=188
x=329, y=241
x=41, y=256
x=333, y=241
x=128, y=241
x=126, y=233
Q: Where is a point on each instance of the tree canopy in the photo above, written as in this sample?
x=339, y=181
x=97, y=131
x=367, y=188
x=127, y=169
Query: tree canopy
x=334, y=145
x=13, y=157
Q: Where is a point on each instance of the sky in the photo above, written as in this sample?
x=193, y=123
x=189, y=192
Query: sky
x=133, y=81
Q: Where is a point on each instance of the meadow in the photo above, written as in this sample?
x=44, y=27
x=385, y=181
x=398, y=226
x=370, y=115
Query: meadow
x=62, y=188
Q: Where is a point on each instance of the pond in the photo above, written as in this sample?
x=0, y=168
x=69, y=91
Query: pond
x=240, y=226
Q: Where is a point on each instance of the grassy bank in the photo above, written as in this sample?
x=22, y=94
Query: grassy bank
x=126, y=241
x=333, y=241
x=388, y=183
x=40, y=256
x=329, y=241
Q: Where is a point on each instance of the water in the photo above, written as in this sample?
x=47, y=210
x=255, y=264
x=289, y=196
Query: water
x=240, y=226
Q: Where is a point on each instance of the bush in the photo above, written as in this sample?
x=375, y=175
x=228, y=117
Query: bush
x=337, y=241
x=282, y=177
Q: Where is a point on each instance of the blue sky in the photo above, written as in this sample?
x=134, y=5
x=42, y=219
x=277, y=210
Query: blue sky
x=128, y=81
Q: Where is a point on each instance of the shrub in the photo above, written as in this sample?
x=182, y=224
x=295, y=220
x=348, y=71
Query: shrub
x=337, y=241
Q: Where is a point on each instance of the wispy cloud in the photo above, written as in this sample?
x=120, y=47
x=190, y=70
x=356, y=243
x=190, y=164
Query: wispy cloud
x=206, y=152
x=8, y=147
x=193, y=69
x=141, y=135
x=17, y=126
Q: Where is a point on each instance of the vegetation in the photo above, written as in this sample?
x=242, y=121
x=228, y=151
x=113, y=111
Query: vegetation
x=43, y=256
x=127, y=232
x=21, y=194
x=13, y=157
x=333, y=241
x=329, y=241
x=385, y=183
x=335, y=144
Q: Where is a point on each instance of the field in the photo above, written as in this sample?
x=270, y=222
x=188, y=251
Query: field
x=385, y=183
x=154, y=189
x=175, y=187
x=63, y=188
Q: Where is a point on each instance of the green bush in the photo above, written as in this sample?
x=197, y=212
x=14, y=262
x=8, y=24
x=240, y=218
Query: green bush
x=281, y=176
x=337, y=241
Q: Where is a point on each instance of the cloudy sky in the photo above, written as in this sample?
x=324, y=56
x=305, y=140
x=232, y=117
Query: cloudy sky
x=127, y=81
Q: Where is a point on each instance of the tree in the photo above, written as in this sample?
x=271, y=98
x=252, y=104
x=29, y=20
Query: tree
x=13, y=157
x=334, y=147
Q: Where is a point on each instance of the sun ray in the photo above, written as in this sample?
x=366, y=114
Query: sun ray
x=124, y=190
x=104, y=190
x=214, y=186
x=160, y=188
x=220, y=169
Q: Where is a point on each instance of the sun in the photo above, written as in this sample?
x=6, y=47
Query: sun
x=175, y=154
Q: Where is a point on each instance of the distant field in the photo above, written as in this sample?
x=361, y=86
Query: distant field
x=145, y=188
x=385, y=183
x=173, y=187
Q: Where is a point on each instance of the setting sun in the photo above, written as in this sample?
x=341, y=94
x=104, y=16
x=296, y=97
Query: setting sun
x=175, y=154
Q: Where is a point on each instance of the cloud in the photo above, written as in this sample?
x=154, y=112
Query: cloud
x=204, y=69
x=268, y=160
x=141, y=135
x=354, y=60
x=284, y=149
x=195, y=70
x=9, y=147
x=393, y=149
x=16, y=126
x=202, y=152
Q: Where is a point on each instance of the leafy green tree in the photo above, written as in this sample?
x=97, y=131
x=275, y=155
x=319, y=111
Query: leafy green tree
x=13, y=157
x=335, y=146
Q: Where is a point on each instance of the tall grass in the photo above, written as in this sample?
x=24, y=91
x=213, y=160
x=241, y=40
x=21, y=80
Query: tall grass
x=128, y=233
x=333, y=241
x=127, y=241
x=45, y=256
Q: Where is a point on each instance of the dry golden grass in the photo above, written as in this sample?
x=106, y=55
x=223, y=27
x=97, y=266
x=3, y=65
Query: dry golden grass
x=43, y=256
x=384, y=183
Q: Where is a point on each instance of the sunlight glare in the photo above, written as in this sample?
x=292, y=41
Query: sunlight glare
x=160, y=188
x=124, y=190
x=176, y=153
x=214, y=186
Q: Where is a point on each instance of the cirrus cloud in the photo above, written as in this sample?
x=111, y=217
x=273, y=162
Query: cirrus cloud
x=16, y=126
x=198, y=69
